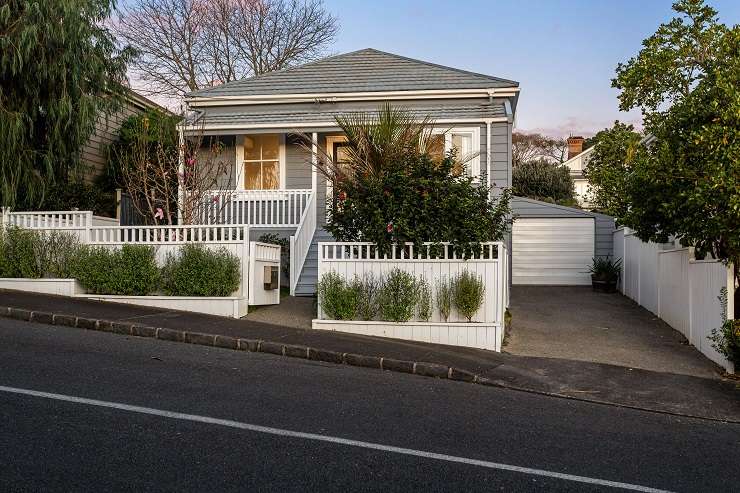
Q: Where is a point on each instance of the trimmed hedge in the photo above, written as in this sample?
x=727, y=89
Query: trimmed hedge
x=198, y=271
x=131, y=271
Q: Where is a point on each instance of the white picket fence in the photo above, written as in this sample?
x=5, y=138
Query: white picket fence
x=166, y=240
x=682, y=291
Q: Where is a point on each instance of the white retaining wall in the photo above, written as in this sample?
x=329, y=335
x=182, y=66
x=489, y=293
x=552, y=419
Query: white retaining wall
x=680, y=290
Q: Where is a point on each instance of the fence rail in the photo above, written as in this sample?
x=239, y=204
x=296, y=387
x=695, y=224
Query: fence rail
x=55, y=219
x=682, y=291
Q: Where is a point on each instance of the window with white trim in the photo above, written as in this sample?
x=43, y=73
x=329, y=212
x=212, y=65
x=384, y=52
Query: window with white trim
x=262, y=162
x=465, y=141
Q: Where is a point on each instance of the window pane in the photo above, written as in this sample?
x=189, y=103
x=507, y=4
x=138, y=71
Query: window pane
x=252, y=176
x=463, y=143
x=270, y=146
x=270, y=175
x=251, y=147
x=437, y=146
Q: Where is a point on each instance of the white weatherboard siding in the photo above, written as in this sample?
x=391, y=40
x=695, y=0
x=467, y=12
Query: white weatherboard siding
x=552, y=251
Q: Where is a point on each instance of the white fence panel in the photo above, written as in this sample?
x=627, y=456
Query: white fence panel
x=707, y=278
x=352, y=260
x=682, y=291
x=674, y=289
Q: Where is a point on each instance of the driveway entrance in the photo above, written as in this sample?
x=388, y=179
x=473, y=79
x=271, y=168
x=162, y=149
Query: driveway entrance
x=573, y=322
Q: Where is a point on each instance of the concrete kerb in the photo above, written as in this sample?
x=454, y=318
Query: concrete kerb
x=227, y=342
x=420, y=368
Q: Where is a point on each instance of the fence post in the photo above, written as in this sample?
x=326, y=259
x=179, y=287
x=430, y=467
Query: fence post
x=293, y=281
x=5, y=219
x=118, y=205
x=246, y=262
x=731, y=313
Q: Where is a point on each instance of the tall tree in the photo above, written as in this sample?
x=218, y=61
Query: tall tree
x=186, y=45
x=531, y=147
x=686, y=183
x=60, y=70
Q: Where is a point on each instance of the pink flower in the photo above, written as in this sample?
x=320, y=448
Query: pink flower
x=342, y=196
x=190, y=161
x=389, y=228
x=159, y=214
x=215, y=198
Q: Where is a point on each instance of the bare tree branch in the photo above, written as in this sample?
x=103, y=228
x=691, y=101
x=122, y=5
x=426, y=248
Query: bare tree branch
x=186, y=45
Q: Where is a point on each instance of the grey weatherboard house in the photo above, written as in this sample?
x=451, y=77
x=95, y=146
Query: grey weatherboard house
x=273, y=185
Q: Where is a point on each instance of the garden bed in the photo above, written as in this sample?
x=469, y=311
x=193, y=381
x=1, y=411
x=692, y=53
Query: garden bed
x=475, y=335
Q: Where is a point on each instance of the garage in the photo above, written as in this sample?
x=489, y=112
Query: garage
x=555, y=245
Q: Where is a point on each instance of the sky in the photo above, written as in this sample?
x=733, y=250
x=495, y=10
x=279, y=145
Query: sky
x=563, y=53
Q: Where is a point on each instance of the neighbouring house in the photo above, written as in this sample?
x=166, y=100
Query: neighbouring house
x=274, y=187
x=95, y=150
x=577, y=162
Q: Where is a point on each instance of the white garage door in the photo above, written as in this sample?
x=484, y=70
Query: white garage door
x=552, y=250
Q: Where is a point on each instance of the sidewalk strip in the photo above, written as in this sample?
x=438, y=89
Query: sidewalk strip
x=330, y=439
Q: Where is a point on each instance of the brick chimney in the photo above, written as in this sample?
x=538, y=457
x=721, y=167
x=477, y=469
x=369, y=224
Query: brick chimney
x=575, y=145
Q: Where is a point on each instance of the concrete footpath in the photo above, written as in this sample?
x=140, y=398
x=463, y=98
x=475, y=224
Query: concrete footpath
x=713, y=398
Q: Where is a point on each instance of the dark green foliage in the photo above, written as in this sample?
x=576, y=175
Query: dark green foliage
x=18, y=253
x=284, y=243
x=338, y=300
x=155, y=129
x=606, y=269
x=132, y=270
x=60, y=70
x=543, y=180
x=726, y=341
x=76, y=194
x=424, y=300
x=398, y=296
x=467, y=293
x=417, y=200
x=367, y=288
x=29, y=254
x=198, y=271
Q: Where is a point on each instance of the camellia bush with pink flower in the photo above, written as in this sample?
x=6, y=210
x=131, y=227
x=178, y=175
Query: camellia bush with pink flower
x=417, y=199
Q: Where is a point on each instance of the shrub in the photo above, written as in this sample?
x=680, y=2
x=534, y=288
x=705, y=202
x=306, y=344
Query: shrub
x=543, y=180
x=284, y=243
x=338, y=300
x=367, y=289
x=56, y=254
x=444, y=298
x=467, y=294
x=198, y=271
x=397, y=297
x=132, y=270
x=424, y=300
x=19, y=248
x=726, y=339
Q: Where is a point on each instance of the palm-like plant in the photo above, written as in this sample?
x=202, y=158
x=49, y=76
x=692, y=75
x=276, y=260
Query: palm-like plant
x=377, y=141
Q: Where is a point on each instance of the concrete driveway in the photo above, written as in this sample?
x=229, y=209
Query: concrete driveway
x=573, y=322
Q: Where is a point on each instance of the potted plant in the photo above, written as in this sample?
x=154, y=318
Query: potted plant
x=605, y=273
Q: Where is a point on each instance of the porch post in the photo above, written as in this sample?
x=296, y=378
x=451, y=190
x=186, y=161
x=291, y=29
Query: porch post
x=314, y=162
x=181, y=174
x=488, y=153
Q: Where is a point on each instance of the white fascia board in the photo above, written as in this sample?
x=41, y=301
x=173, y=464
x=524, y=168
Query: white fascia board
x=290, y=126
x=196, y=101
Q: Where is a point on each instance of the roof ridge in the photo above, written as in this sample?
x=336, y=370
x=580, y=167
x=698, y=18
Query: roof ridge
x=437, y=65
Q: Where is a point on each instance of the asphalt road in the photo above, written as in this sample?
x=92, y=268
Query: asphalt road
x=95, y=411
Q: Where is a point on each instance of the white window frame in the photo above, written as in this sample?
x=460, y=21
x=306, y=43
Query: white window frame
x=240, y=162
x=474, y=132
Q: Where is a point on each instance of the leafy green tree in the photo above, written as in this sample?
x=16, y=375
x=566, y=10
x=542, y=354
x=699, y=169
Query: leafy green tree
x=608, y=168
x=60, y=70
x=686, y=182
x=542, y=180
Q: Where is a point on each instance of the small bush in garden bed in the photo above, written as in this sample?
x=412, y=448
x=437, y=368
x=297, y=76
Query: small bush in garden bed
x=398, y=296
x=367, y=288
x=18, y=253
x=444, y=298
x=424, y=300
x=131, y=271
x=467, y=294
x=198, y=271
x=338, y=300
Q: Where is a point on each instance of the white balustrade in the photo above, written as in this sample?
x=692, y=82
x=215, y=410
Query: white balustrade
x=262, y=208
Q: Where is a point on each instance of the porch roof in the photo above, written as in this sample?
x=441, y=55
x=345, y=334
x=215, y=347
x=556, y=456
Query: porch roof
x=323, y=116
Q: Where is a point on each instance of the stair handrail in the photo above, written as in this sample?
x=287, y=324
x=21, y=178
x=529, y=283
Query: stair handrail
x=300, y=242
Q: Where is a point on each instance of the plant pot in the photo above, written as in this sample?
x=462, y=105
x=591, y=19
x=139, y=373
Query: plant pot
x=604, y=286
